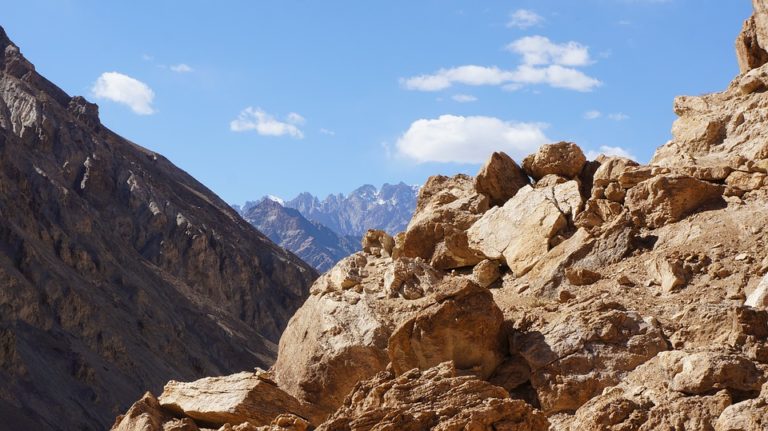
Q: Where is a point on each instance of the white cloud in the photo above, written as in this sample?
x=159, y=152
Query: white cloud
x=539, y=50
x=464, y=98
x=267, y=125
x=123, y=89
x=610, y=151
x=592, y=115
x=181, y=68
x=524, y=18
x=295, y=118
x=458, y=139
x=618, y=116
x=544, y=62
x=327, y=132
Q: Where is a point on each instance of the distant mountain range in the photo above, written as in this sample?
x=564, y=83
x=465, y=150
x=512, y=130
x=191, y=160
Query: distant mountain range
x=323, y=232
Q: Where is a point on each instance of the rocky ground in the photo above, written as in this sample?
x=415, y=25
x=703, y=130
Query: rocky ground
x=558, y=293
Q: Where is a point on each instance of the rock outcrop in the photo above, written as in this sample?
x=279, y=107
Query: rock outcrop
x=594, y=295
x=118, y=271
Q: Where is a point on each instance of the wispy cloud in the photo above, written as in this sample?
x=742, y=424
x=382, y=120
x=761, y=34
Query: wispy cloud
x=610, y=151
x=181, y=68
x=328, y=132
x=543, y=62
x=618, y=116
x=125, y=90
x=265, y=124
x=458, y=139
x=464, y=98
x=524, y=18
x=592, y=115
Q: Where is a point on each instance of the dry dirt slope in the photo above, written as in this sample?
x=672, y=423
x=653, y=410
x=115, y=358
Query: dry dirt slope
x=118, y=270
x=555, y=293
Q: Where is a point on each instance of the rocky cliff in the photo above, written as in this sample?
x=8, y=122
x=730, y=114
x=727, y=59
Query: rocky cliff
x=557, y=293
x=118, y=271
x=313, y=242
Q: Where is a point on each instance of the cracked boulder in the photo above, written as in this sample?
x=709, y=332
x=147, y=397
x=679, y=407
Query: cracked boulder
x=520, y=233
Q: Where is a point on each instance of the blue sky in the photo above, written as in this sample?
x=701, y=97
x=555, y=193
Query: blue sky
x=280, y=97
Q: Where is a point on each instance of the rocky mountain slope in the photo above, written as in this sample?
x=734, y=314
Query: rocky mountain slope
x=313, y=242
x=558, y=293
x=388, y=209
x=118, y=271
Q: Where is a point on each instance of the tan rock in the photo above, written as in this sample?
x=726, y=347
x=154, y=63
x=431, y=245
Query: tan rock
x=521, y=230
x=378, y=242
x=435, y=399
x=748, y=415
x=614, y=192
x=550, y=180
x=669, y=198
x=233, y=399
x=486, y=272
x=750, y=44
x=611, y=169
x=669, y=272
x=585, y=350
x=703, y=372
x=446, y=208
x=563, y=158
x=410, y=278
x=598, y=212
x=759, y=297
x=144, y=415
x=500, y=178
x=746, y=181
x=464, y=326
x=646, y=401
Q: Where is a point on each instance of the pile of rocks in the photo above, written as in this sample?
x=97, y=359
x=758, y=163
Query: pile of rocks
x=558, y=293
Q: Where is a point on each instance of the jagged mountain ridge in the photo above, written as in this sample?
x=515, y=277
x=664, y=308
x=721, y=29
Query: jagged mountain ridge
x=118, y=271
x=313, y=242
x=388, y=209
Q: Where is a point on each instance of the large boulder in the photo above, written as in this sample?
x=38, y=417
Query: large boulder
x=747, y=415
x=500, y=178
x=146, y=414
x=753, y=39
x=245, y=397
x=520, y=232
x=435, y=399
x=585, y=350
x=669, y=198
x=563, y=158
x=446, y=208
x=464, y=325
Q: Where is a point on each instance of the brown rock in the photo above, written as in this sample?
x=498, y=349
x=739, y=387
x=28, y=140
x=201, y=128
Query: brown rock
x=585, y=350
x=233, y=399
x=144, y=415
x=669, y=198
x=750, y=52
x=500, y=178
x=582, y=276
x=378, y=242
x=446, y=208
x=611, y=169
x=435, y=399
x=463, y=326
x=486, y=272
x=410, y=278
x=563, y=158
x=746, y=181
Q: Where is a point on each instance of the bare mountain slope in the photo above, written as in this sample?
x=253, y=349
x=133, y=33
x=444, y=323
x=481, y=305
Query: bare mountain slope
x=118, y=271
